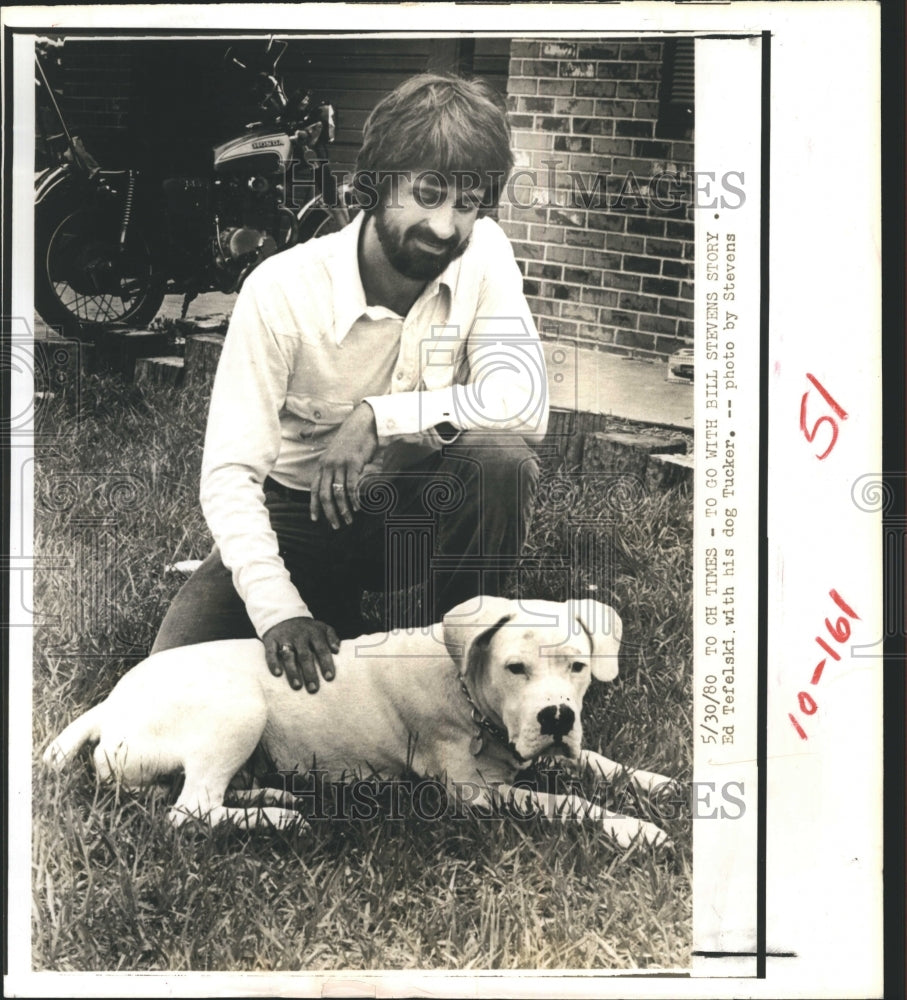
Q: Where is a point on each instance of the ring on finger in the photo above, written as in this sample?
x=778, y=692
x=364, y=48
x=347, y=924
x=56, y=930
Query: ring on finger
x=285, y=647
x=338, y=487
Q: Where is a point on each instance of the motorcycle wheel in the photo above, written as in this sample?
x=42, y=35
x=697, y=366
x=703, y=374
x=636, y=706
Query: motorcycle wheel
x=84, y=280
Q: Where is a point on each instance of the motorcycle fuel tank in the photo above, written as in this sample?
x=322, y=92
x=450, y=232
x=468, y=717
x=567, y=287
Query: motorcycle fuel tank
x=258, y=152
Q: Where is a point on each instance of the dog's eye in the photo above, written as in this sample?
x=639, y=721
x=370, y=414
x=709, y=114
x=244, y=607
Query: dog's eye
x=576, y=667
x=517, y=668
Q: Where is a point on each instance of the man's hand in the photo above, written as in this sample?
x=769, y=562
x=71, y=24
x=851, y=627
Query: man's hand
x=299, y=647
x=334, y=488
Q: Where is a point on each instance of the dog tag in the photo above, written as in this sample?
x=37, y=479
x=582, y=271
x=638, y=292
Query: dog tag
x=477, y=743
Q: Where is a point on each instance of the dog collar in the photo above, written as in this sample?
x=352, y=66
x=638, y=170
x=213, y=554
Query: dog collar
x=484, y=725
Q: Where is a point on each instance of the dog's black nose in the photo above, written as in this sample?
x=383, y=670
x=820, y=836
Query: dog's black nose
x=556, y=720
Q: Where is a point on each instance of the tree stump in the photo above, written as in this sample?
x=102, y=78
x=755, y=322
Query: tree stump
x=165, y=371
x=202, y=355
x=617, y=451
x=664, y=472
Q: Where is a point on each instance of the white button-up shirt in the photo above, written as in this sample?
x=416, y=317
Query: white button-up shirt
x=304, y=349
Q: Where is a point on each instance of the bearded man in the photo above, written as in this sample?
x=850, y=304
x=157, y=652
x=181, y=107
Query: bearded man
x=371, y=410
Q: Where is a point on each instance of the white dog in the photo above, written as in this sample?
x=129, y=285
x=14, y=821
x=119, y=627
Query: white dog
x=472, y=701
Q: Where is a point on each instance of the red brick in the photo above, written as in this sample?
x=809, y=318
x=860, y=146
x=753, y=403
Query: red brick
x=559, y=50
x=570, y=310
x=536, y=270
x=608, y=146
x=614, y=109
x=540, y=67
x=541, y=307
x=677, y=268
x=591, y=126
x=546, y=234
x=521, y=48
x=541, y=105
x=659, y=324
x=647, y=109
x=601, y=259
x=596, y=88
x=557, y=88
x=577, y=70
x=668, y=345
x=642, y=169
x=643, y=90
x=615, y=317
x=639, y=303
x=563, y=328
x=632, y=127
x=626, y=244
x=532, y=140
x=574, y=106
x=661, y=286
x=623, y=281
x=516, y=230
x=615, y=71
x=585, y=238
x=566, y=255
x=649, y=71
x=664, y=248
x=632, y=338
x=523, y=85
x=645, y=265
x=600, y=296
x=674, y=307
x=560, y=217
x=583, y=276
x=561, y=292
x=612, y=222
x=599, y=50
x=529, y=251
x=680, y=230
x=559, y=124
x=645, y=227
x=647, y=52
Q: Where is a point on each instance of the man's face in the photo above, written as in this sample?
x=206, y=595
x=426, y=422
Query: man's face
x=424, y=223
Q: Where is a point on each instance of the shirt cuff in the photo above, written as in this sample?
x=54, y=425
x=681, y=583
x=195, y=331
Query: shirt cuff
x=411, y=412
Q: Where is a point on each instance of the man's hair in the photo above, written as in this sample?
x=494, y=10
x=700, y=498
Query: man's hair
x=444, y=123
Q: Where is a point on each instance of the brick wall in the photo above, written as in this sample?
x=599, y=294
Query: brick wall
x=599, y=211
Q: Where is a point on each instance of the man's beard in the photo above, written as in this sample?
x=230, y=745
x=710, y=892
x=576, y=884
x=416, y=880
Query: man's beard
x=405, y=254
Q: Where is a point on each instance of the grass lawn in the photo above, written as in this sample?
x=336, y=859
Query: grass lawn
x=116, y=888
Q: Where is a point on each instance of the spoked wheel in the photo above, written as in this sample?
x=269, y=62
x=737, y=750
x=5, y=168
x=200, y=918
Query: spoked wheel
x=85, y=279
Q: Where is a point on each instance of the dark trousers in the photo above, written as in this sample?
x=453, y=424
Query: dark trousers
x=429, y=536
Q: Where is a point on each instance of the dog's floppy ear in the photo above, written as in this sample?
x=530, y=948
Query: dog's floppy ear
x=603, y=626
x=471, y=621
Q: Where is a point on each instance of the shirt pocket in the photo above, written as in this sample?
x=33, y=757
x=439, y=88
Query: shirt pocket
x=442, y=364
x=312, y=417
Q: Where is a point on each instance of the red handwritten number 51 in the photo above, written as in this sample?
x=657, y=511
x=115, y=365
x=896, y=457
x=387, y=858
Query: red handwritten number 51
x=836, y=407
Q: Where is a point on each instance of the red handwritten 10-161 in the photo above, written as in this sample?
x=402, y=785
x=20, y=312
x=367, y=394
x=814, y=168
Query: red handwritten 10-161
x=840, y=633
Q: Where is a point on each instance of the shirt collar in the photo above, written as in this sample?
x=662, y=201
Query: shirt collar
x=348, y=295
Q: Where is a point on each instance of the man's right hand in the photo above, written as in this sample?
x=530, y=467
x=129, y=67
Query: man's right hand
x=299, y=648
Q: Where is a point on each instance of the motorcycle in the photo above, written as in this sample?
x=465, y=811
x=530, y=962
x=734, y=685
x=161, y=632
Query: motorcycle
x=110, y=244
